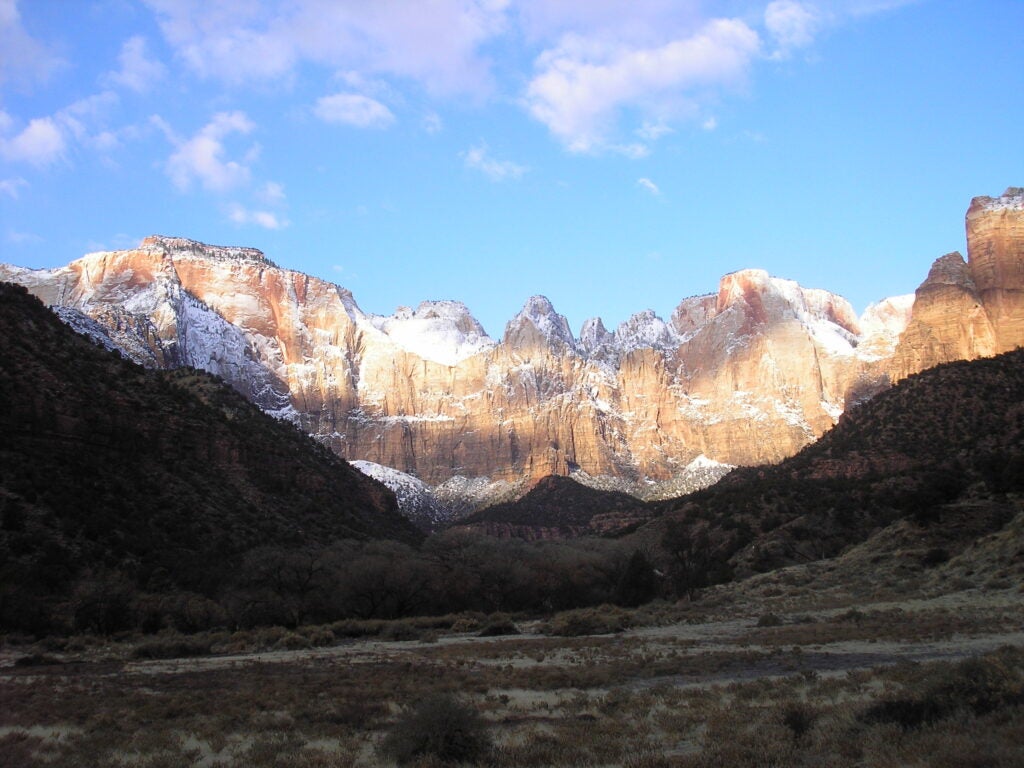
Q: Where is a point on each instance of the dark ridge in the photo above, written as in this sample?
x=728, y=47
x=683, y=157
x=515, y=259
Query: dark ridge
x=166, y=477
x=559, y=503
x=914, y=452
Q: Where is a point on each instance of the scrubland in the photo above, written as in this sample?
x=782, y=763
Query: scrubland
x=767, y=672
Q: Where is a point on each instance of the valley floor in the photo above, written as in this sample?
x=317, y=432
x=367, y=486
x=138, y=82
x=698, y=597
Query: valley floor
x=790, y=679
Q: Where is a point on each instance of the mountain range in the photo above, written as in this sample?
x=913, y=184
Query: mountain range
x=746, y=375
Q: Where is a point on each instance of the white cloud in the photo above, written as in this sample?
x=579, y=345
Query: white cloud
x=12, y=187
x=87, y=116
x=353, y=109
x=40, y=143
x=583, y=85
x=23, y=59
x=267, y=219
x=202, y=157
x=138, y=72
x=479, y=159
x=649, y=185
x=710, y=124
x=241, y=40
x=792, y=24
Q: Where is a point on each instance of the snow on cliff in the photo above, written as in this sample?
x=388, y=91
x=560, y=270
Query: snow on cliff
x=442, y=331
x=415, y=498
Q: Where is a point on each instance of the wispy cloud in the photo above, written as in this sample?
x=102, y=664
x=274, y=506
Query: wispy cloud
x=238, y=41
x=432, y=123
x=271, y=193
x=353, y=109
x=12, y=187
x=23, y=59
x=239, y=214
x=479, y=159
x=649, y=185
x=138, y=72
x=792, y=24
x=23, y=238
x=203, y=157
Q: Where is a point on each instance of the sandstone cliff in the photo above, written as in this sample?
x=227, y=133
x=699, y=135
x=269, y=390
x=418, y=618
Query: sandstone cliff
x=746, y=375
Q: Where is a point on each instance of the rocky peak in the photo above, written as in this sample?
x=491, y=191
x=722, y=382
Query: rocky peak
x=181, y=246
x=764, y=299
x=693, y=313
x=538, y=325
x=950, y=269
x=645, y=330
x=594, y=336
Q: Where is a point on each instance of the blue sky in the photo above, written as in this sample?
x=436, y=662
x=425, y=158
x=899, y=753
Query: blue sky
x=612, y=156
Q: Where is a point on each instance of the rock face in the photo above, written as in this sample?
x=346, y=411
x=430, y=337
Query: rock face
x=746, y=375
x=995, y=244
x=974, y=308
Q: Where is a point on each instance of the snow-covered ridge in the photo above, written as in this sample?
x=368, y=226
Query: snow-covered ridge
x=84, y=325
x=441, y=331
x=177, y=246
x=1011, y=200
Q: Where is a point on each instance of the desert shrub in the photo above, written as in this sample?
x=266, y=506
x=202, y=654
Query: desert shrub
x=469, y=622
x=401, y=631
x=978, y=686
x=498, y=626
x=355, y=628
x=603, y=620
x=440, y=727
x=799, y=718
x=172, y=648
x=292, y=641
x=318, y=636
x=934, y=556
x=36, y=660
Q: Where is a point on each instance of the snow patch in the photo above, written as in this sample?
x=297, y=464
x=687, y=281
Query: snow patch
x=416, y=500
x=440, y=331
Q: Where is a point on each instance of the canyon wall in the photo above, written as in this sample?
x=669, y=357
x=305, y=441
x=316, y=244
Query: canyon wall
x=746, y=375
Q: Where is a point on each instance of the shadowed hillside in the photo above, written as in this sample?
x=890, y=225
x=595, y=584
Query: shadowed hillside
x=943, y=450
x=558, y=507
x=157, y=480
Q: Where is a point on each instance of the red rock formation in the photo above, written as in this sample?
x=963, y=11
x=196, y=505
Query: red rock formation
x=747, y=375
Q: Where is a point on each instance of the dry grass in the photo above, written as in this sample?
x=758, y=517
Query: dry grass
x=698, y=684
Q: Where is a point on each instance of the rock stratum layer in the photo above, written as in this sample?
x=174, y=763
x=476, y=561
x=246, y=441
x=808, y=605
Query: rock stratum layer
x=745, y=376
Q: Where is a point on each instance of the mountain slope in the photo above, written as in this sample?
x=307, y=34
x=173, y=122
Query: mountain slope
x=164, y=477
x=558, y=507
x=942, y=450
